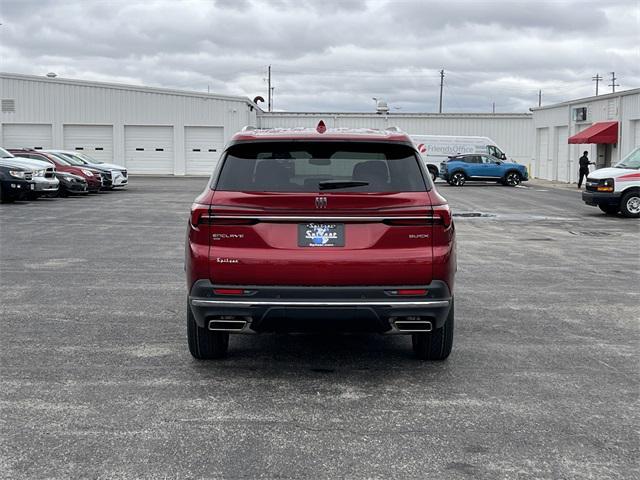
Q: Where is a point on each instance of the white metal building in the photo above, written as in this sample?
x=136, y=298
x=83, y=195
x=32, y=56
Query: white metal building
x=606, y=126
x=513, y=132
x=148, y=130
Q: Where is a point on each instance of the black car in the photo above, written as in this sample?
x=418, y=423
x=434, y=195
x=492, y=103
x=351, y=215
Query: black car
x=71, y=184
x=15, y=182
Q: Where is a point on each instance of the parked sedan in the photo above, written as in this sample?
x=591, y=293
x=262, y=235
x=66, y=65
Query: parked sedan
x=105, y=174
x=15, y=182
x=119, y=176
x=91, y=176
x=45, y=182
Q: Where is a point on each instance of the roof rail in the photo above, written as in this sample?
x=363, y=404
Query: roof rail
x=393, y=129
x=248, y=128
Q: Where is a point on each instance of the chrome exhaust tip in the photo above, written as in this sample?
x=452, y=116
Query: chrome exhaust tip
x=410, y=325
x=227, y=324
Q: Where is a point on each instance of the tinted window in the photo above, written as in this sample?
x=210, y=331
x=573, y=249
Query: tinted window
x=302, y=167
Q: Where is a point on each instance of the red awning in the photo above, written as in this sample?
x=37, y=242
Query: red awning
x=601, y=132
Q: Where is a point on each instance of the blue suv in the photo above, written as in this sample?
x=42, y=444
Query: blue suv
x=457, y=170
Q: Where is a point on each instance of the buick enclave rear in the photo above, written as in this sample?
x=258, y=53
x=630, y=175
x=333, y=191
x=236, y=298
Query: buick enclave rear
x=306, y=230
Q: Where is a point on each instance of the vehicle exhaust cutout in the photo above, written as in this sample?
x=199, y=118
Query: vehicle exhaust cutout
x=413, y=325
x=227, y=324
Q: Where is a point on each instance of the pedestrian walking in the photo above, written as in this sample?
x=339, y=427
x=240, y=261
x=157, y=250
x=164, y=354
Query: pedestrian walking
x=584, y=167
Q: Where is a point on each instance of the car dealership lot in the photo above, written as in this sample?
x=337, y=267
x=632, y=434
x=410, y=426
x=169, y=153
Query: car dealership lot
x=97, y=380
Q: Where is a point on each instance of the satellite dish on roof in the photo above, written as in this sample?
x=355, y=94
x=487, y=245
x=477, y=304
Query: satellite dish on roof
x=52, y=75
x=382, y=107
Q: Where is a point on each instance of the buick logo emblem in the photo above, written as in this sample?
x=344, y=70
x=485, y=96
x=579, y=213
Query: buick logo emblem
x=321, y=202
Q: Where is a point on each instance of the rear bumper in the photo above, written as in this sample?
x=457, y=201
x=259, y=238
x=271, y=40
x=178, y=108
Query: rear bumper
x=294, y=309
x=601, y=198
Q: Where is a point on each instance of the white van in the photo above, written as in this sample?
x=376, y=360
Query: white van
x=437, y=148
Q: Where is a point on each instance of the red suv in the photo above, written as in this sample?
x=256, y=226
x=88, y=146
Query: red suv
x=307, y=229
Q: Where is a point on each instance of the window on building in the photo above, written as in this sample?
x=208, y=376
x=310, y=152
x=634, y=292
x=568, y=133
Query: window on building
x=580, y=114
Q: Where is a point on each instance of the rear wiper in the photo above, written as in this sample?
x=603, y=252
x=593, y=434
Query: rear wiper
x=333, y=184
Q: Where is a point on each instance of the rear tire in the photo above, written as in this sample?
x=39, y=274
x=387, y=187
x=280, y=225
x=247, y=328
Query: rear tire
x=609, y=209
x=630, y=204
x=434, y=174
x=435, y=345
x=204, y=344
x=458, y=179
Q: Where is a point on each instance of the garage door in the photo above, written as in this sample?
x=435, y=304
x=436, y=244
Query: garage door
x=562, y=154
x=15, y=135
x=149, y=149
x=203, y=146
x=542, y=153
x=94, y=140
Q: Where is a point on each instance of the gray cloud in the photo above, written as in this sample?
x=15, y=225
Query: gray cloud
x=331, y=54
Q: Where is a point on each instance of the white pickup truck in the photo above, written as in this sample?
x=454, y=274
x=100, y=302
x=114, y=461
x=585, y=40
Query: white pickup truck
x=616, y=189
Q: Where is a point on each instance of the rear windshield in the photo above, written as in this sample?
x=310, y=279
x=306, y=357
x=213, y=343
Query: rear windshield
x=315, y=166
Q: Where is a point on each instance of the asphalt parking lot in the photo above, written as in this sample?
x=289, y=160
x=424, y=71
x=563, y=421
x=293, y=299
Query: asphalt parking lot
x=97, y=381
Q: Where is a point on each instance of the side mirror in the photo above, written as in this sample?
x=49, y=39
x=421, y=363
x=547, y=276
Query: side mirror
x=504, y=157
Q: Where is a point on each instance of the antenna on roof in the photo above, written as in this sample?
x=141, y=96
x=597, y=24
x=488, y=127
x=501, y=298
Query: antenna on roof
x=393, y=129
x=248, y=128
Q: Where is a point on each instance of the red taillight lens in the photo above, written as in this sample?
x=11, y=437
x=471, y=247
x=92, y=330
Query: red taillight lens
x=228, y=291
x=199, y=214
x=232, y=221
x=408, y=222
x=442, y=213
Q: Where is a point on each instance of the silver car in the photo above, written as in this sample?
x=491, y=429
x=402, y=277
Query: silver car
x=44, y=179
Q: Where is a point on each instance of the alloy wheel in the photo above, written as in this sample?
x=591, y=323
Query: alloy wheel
x=458, y=179
x=633, y=205
x=513, y=179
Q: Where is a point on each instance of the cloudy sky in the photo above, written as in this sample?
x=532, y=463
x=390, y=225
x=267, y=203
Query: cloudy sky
x=329, y=55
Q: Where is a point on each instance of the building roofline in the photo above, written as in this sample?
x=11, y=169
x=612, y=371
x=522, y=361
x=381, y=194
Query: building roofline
x=623, y=93
x=124, y=86
x=395, y=115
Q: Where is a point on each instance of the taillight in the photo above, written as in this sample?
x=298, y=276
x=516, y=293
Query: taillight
x=442, y=214
x=408, y=222
x=199, y=214
x=232, y=221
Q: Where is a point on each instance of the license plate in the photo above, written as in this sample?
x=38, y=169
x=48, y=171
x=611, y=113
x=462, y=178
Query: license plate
x=321, y=235
x=33, y=187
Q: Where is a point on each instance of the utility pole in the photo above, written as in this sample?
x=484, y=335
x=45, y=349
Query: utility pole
x=597, y=79
x=493, y=107
x=441, y=85
x=539, y=98
x=613, y=83
x=269, y=89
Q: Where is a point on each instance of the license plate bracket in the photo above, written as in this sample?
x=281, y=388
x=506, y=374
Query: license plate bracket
x=321, y=234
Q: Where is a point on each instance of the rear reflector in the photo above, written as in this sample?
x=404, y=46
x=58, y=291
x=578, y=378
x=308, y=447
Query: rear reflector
x=228, y=291
x=409, y=292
